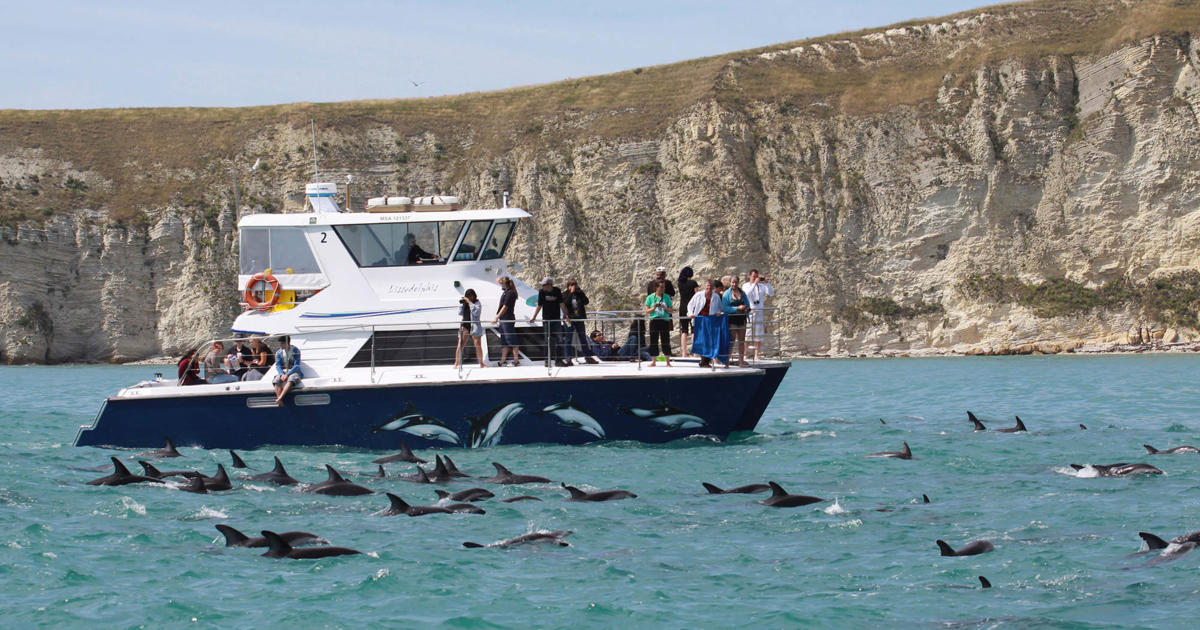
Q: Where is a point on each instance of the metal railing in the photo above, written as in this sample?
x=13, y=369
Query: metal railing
x=611, y=336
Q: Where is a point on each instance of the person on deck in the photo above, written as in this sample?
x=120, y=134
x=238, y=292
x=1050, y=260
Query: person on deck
x=505, y=315
x=736, y=308
x=658, y=310
x=575, y=302
x=687, y=288
x=550, y=305
x=757, y=290
x=660, y=275
x=711, y=332
x=189, y=370
x=287, y=369
x=470, y=328
x=260, y=361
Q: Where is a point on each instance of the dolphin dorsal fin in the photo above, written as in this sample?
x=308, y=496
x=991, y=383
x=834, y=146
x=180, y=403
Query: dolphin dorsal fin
x=405, y=450
x=196, y=484
x=907, y=451
x=382, y=474
x=440, y=468
x=237, y=460
x=501, y=471
x=334, y=476
x=925, y=498
x=279, y=466
x=1150, y=449
x=1152, y=541
x=120, y=468
x=170, y=447
x=575, y=492
x=422, y=475
x=232, y=536
x=975, y=421
x=1020, y=424
x=711, y=488
x=442, y=494
x=984, y=583
x=398, y=504
x=279, y=547
x=221, y=475
x=150, y=470
x=776, y=489
x=1076, y=466
x=947, y=550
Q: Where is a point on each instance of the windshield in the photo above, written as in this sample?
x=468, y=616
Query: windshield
x=399, y=244
x=278, y=249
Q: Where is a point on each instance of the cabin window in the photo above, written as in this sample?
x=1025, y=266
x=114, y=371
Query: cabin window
x=498, y=241
x=407, y=347
x=278, y=249
x=472, y=243
x=399, y=244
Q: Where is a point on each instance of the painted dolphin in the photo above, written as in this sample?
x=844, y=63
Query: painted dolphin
x=671, y=418
x=972, y=548
x=572, y=415
x=413, y=422
x=556, y=537
x=486, y=430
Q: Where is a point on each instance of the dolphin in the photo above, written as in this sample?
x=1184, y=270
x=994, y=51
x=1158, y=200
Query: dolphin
x=523, y=497
x=1082, y=427
x=975, y=421
x=906, y=453
x=1017, y=429
x=1122, y=469
x=505, y=476
x=162, y=453
x=419, y=477
x=671, y=418
x=217, y=482
x=380, y=474
x=194, y=484
x=605, y=495
x=234, y=538
x=753, y=488
x=237, y=460
x=984, y=583
x=471, y=494
x=121, y=476
x=556, y=537
x=405, y=455
x=413, y=422
x=454, y=471
x=279, y=548
x=972, y=548
x=152, y=471
x=440, y=474
x=1170, y=550
x=277, y=475
x=399, y=506
x=572, y=415
x=1171, y=451
x=780, y=498
x=924, y=499
x=486, y=430
x=336, y=485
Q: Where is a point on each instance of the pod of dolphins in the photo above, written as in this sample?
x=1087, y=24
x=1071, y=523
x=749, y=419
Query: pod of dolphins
x=305, y=545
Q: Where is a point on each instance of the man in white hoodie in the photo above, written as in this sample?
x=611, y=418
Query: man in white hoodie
x=757, y=290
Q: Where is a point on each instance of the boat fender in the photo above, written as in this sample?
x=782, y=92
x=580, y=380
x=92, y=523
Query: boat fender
x=252, y=301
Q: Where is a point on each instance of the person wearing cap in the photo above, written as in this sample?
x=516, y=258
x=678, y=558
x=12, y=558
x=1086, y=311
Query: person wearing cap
x=661, y=274
x=575, y=303
x=550, y=305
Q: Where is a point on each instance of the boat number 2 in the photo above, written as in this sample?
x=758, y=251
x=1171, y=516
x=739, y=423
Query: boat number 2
x=323, y=237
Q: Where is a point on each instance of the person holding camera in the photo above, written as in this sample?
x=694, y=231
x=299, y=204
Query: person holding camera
x=658, y=309
x=470, y=327
x=757, y=290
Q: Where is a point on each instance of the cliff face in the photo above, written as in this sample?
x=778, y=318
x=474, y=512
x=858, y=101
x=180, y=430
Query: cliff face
x=867, y=214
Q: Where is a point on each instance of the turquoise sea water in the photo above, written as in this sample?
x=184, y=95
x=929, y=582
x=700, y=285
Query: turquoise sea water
x=73, y=555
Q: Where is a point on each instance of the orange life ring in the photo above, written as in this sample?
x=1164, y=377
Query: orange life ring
x=248, y=294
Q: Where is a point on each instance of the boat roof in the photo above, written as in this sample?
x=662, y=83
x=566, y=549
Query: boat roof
x=348, y=218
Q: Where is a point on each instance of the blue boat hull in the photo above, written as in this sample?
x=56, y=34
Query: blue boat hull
x=450, y=415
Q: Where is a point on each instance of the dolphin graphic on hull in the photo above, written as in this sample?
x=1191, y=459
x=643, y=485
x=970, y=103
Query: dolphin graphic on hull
x=413, y=422
x=572, y=415
x=487, y=429
x=671, y=418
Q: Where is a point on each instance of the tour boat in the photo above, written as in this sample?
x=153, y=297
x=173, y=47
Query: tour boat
x=377, y=337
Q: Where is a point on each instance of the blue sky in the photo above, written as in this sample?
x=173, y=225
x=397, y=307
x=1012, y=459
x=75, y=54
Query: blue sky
x=64, y=54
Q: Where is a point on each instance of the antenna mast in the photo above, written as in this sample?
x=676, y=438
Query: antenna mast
x=316, y=170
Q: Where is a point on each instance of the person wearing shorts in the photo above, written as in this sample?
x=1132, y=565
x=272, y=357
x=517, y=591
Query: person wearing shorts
x=506, y=318
x=687, y=288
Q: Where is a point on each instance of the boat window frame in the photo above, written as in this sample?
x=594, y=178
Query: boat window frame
x=370, y=227
x=507, y=241
x=303, y=238
x=475, y=255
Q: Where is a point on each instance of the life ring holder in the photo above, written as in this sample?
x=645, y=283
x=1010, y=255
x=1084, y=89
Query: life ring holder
x=248, y=294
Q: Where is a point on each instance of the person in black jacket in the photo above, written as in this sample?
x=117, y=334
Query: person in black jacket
x=575, y=302
x=660, y=274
